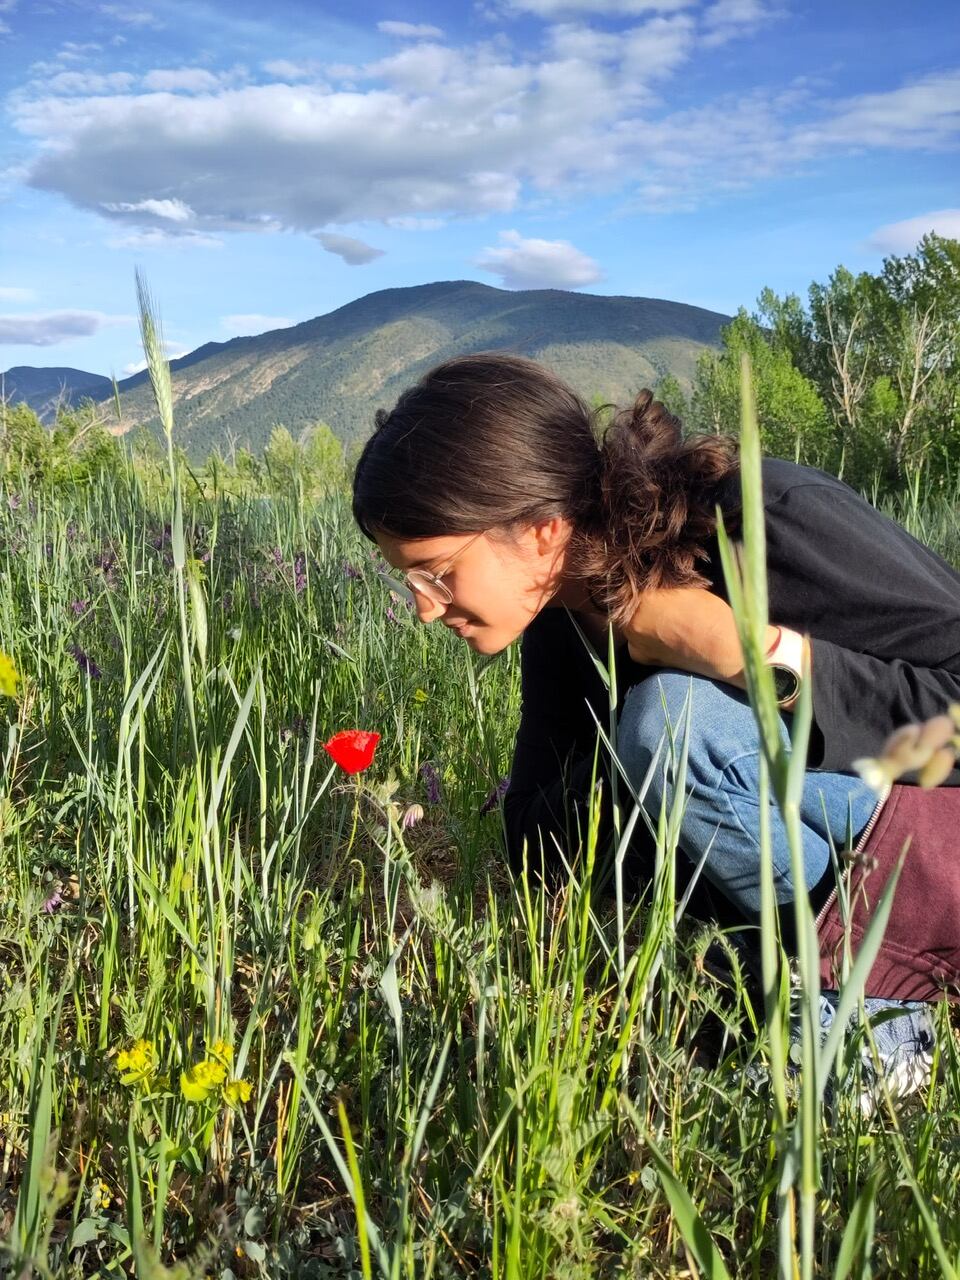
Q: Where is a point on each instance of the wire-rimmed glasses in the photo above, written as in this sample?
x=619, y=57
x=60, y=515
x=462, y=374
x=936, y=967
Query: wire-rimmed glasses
x=429, y=584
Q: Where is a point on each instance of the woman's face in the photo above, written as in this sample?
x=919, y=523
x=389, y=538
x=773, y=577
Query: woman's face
x=498, y=586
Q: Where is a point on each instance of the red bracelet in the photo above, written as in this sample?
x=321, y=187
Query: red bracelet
x=773, y=646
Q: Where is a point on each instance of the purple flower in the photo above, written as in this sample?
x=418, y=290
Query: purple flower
x=428, y=771
x=84, y=662
x=53, y=903
x=412, y=816
x=79, y=607
x=391, y=616
x=14, y=501
x=495, y=796
x=162, y=539
x=277, y=557
x=299, y=573
x=349, y=571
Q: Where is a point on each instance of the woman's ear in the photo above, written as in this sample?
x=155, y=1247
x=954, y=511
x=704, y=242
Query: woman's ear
x=551, y=535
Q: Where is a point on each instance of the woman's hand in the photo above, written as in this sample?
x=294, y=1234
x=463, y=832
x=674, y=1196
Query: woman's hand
x=688, y=628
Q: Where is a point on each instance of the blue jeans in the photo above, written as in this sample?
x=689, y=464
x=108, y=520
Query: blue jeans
x=722, y=809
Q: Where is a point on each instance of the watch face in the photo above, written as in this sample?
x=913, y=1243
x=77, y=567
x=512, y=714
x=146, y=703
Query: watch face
x=786, y=683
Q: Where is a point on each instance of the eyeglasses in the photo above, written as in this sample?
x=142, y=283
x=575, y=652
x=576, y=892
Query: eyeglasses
x=429, y=584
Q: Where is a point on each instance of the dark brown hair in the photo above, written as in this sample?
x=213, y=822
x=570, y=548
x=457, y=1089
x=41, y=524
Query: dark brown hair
x=497, y=442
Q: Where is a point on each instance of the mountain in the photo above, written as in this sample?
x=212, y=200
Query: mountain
x=44, y=390
x=340, y=367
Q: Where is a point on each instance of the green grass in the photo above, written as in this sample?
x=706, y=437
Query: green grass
x=450, y=1073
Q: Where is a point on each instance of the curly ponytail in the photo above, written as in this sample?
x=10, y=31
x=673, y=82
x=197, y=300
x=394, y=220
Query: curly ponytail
x=654, y=508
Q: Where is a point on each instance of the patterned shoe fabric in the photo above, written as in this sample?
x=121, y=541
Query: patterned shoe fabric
x=905, y=1038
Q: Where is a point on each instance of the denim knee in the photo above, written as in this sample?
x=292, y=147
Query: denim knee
x=721, y=727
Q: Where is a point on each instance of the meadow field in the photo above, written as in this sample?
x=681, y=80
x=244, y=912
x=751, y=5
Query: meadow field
x=262, y=1016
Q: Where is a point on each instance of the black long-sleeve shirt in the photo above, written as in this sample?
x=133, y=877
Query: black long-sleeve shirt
x=882, y=611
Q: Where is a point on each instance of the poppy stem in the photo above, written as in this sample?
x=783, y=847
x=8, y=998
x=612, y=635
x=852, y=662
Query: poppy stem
x=356, y=813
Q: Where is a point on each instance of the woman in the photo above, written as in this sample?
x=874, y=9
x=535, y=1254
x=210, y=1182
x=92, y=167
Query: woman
x=486, y=487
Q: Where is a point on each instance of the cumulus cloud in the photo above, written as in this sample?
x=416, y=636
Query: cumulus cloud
x=431, y=132
x=243, y=326
x=284, y=69
x=50, y=327
x=355, y=253
x=538, y=264
x=903, y=237
x=187, y=79
x=410, y=30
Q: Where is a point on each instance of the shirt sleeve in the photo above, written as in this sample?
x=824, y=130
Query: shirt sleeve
x=882, y=611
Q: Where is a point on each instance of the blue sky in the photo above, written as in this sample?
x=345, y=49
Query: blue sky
x=264, y=164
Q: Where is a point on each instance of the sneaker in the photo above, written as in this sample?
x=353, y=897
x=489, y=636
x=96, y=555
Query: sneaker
x=904, y=1035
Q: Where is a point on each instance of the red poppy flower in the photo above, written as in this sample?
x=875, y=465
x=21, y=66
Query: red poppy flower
x=352, y=749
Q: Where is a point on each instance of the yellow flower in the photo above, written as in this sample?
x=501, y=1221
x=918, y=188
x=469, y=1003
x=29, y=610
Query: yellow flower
x=236, y=1092
x=101, y=1196
x=136, y=1063
x=222, y=1050
x=9, y=677
x=200, y=1080
x=420, y=695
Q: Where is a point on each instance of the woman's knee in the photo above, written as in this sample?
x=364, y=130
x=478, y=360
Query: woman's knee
x=655, y=716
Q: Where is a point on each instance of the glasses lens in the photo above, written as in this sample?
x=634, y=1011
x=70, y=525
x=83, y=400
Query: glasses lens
x=428, y=586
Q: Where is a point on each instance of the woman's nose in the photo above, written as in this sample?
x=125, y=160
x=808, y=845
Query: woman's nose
x=427, y=610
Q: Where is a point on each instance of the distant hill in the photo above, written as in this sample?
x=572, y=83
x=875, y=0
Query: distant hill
x=46, y=389
x=340, y=367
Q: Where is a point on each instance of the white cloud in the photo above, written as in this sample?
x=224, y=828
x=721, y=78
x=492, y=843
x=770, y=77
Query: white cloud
x=410, y=30
x=158, y=238
x=169, y=210
x=13, y=293
x=607, y=8
x=726, y=19
x=172, y=350
x=355, y=253
x=188, y=79
x=284, y=69
x=131, y=17
x=539, y=264
x=50, y=327
x=432, y=132
x=903, y=237
x=243, y=326
x=89, y=82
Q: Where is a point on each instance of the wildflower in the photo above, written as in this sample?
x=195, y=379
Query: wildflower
x=929, y=748
x=495, y=796
x=350, y=571
x=391, y=616
x=431, y=780
x=352, y=749
x=162, y=539
x=198, y=1082
x=84, y=662
x=299, y=573
x=137, y=1063
x=277, y=557
x=79, y=607
x=100, y=1196
x=237, y=1092
x=420, y=695
x=412, y=816
x=222, y=1050
x=53, y=903
x=9, y=677
x=14, y=501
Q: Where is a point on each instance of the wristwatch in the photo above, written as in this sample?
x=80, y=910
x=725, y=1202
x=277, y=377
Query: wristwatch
x=785, y=657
